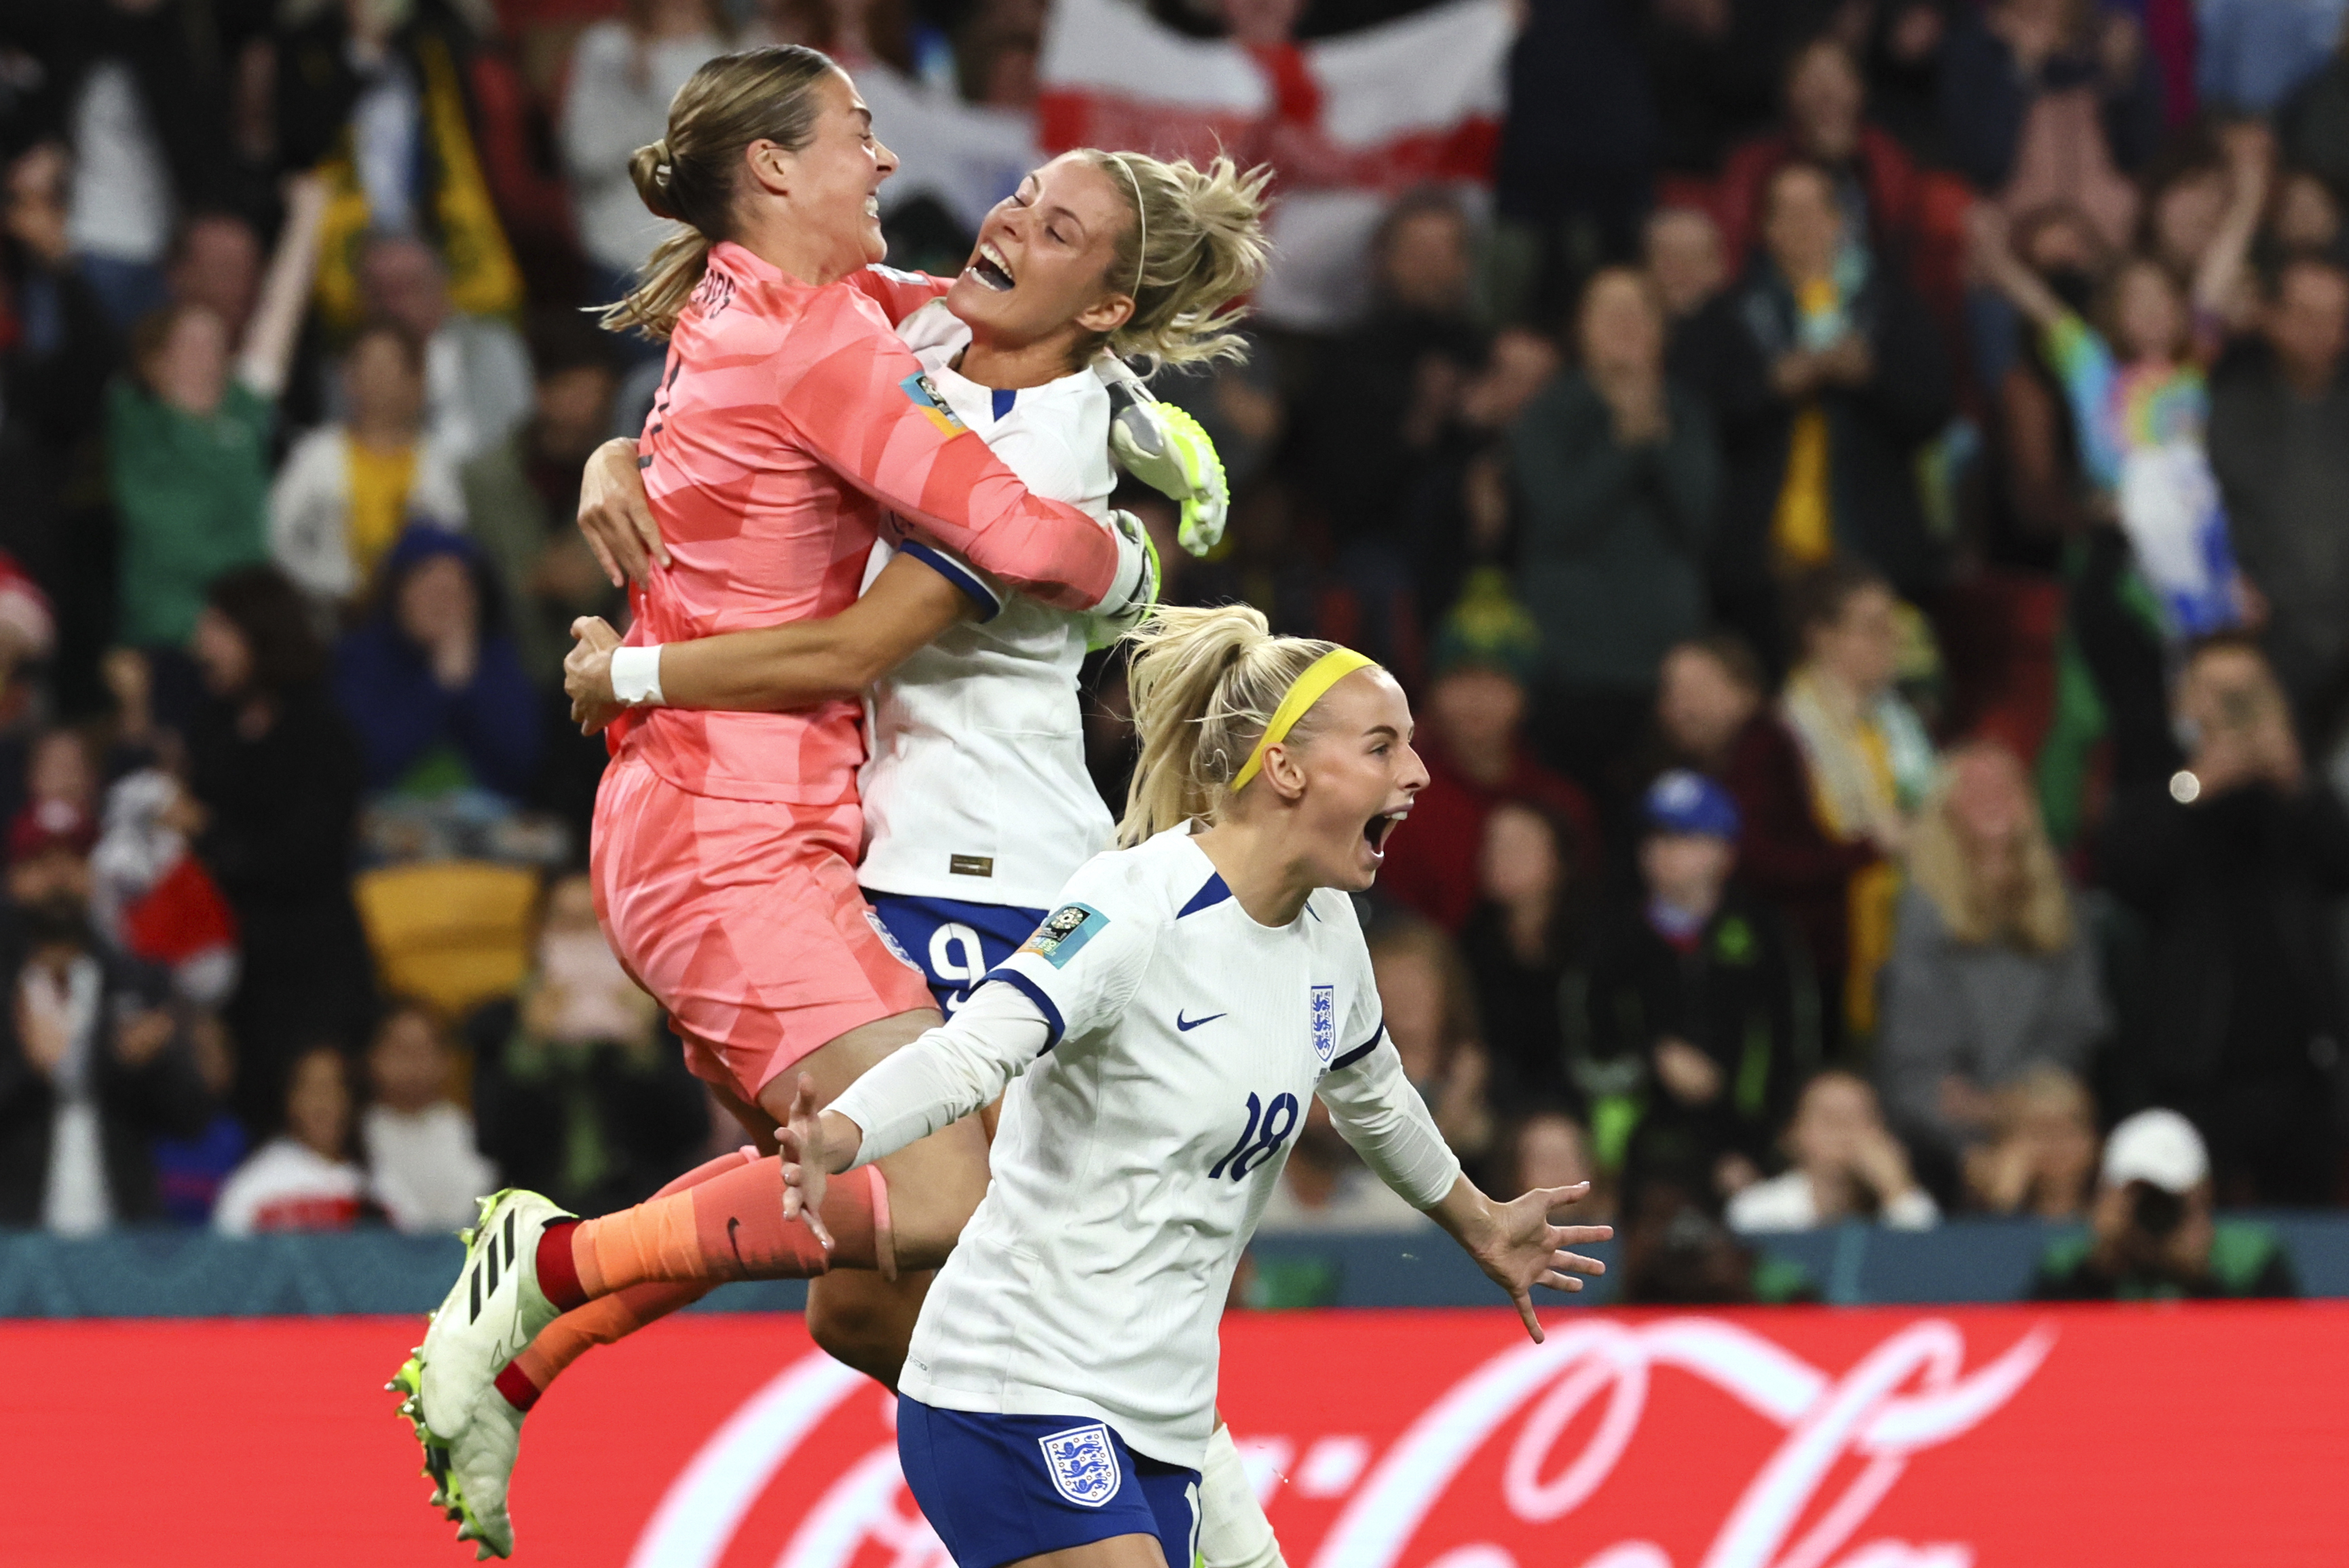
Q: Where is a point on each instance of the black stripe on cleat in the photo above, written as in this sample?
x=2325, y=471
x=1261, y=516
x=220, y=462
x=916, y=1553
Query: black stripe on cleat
x=510, y=1238
x=476, y=1317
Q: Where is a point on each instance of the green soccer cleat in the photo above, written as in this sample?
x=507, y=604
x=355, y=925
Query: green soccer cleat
x=488, y=1317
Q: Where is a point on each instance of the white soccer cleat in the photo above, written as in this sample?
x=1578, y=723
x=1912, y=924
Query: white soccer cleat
x=491, y=1314
x=481, y=1461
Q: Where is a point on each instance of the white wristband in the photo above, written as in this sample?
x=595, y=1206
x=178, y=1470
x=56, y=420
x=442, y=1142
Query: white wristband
x=636, y=675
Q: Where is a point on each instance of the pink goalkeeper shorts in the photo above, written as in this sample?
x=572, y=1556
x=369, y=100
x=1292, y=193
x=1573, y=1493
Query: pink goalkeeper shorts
x=743, y=919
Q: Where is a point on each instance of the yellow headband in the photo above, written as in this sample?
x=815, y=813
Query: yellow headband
x=1319, y=677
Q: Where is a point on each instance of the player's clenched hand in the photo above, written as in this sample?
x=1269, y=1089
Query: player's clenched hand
x=1516, y=1245
x=806, y=1161
x=615, y=515
x=587, y=675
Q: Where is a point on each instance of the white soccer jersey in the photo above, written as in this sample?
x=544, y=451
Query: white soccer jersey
x=1179, y=1041
x=975, y=787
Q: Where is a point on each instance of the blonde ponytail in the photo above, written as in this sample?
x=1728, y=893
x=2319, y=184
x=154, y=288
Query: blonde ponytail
x=1196, y=250
x=1205, y=684
x=688, y=176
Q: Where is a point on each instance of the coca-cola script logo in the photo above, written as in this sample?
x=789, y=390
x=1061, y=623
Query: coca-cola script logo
x=1508, y=1467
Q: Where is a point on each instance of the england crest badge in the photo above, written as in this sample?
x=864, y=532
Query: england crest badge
x=1325, y=1021
x=1083, y=1463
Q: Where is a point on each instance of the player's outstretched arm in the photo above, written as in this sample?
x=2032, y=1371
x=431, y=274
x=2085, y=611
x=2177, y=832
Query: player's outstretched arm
x=1516, y=1245
x=773, y=669
x=1376, y=1111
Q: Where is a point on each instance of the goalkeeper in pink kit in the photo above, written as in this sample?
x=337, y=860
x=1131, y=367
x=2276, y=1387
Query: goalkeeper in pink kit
x=790, y=416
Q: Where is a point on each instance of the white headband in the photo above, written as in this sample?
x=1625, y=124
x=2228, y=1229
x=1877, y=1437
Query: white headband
x=1142, y=223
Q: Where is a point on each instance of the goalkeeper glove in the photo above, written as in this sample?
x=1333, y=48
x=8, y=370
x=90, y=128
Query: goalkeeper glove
x=1165, y=448
x=1111, y=622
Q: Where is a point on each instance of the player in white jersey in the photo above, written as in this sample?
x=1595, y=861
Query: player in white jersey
x=1154, y=1043
x=977, y=800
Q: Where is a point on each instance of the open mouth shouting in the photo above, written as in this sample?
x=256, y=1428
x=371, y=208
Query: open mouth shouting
x=1379, y=829
x=989, y=268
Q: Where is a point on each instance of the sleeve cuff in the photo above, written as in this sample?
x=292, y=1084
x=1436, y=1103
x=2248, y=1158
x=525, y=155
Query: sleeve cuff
x=1350, y=1057
x=990, y=603
x=1054, y=1025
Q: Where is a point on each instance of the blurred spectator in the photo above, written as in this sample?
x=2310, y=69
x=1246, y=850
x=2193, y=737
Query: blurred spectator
x=348, y=489
x=145, y=116
x=2250, y=55
x=2044, y=102
x=1846, y=1165
x=1549, y=1148
x=2154, y=1238
x=304, y=1178
x=375, y=97
x=578, y=1092
x=2233, y=867
x=94, y=1064
x=1474, y=712
x=2138, y=397
x=1708, y=689
x=1698, y=1012
x=58, y=355
x=421, y=1158
x=476, y=371
x=1519, y=946
x=1681, y=247
x=2314, y=122
x=1990, y=972
x=1675, y=1253
x=1325, y=1187
x=1617, y=475
x=1386, y=395
x=154, y=900
x=2040, y=1158
x=1431, y=1017
x=431, y=684
x=624, y=71
x=277, y=772
x=1714, y=65
x=1579, y=146
x=2042, y=499
x=2305, y=218
x=2279, y=445
x=1827, y=378
x=1880, y=189
x=215, y=262
x=1825, y=786
x=522, y=494
x=190, y=1171
x=188, y=441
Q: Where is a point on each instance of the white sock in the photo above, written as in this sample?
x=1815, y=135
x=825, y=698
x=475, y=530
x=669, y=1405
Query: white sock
x=1233, y=1530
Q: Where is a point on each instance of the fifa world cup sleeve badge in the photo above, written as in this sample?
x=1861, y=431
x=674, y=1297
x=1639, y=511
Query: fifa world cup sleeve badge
x=1064, y=932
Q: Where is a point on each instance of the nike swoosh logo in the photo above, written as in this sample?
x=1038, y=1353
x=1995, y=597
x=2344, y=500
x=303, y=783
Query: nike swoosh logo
x=733, y=1224
x=1187, y=1025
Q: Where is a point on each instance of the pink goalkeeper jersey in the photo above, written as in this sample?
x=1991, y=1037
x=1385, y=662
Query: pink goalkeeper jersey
x=789, y=416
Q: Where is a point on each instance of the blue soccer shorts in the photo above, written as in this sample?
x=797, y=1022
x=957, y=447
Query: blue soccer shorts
x=954, y=944
x=1000, y=1488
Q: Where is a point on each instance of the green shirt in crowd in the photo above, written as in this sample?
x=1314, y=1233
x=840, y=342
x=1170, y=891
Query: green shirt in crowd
x=191, y=492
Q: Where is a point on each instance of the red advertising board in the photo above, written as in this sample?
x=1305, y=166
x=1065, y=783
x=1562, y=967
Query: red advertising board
x=2197, y=1436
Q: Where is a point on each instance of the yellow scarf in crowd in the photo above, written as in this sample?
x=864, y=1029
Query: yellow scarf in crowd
x=1802, y=531
x=483, y=277
x=1868, y=766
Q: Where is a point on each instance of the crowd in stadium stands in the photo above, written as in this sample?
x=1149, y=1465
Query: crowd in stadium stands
x=1861, y=503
